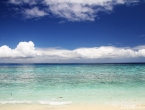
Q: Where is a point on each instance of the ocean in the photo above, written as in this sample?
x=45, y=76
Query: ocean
x=63, y=84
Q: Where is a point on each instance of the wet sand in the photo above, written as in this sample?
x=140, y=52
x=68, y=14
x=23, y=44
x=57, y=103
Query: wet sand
x=67, y=107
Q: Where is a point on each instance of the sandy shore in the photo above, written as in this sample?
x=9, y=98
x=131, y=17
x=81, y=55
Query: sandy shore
x=66, y=107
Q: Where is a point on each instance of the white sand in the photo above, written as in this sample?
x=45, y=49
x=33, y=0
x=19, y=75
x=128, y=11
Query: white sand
x=66, y=107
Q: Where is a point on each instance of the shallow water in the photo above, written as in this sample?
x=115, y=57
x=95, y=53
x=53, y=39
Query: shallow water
x=59, y=84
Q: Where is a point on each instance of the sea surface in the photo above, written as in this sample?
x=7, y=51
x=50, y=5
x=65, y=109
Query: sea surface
x=60, y=84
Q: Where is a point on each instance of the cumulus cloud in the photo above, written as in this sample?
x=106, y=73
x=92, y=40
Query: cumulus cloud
x=71, y=10
x=27, y=51
x=23, y=50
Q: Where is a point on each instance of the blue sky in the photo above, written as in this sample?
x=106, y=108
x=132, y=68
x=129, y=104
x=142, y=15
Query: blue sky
x=72, y=31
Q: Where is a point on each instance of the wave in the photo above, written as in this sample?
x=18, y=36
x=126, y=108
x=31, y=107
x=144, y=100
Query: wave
x=43, y=102
x=54, y=102
x=15, y=102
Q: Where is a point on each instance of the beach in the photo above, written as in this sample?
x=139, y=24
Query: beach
x=72, y=55
x=68, y=107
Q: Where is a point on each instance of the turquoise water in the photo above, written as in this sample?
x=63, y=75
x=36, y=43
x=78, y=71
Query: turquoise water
x=72, y=83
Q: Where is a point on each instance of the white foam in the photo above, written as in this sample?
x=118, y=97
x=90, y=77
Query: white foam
x=54, y=102
x=15, y=102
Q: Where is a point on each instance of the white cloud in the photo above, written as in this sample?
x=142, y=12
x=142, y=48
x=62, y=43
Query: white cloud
x=26, y=52
x=21, y=2
x=85, y=2
x=34, y=13
x=72, y=10
x=23, y=50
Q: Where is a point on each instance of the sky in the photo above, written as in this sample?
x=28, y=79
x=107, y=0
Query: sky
x=72, y=31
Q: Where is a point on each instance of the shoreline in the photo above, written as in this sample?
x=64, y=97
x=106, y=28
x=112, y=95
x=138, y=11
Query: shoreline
x=70, y=107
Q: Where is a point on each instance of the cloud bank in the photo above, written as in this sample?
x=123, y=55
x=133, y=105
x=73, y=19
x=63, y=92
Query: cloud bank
x=27, y=52
x=71, y=10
